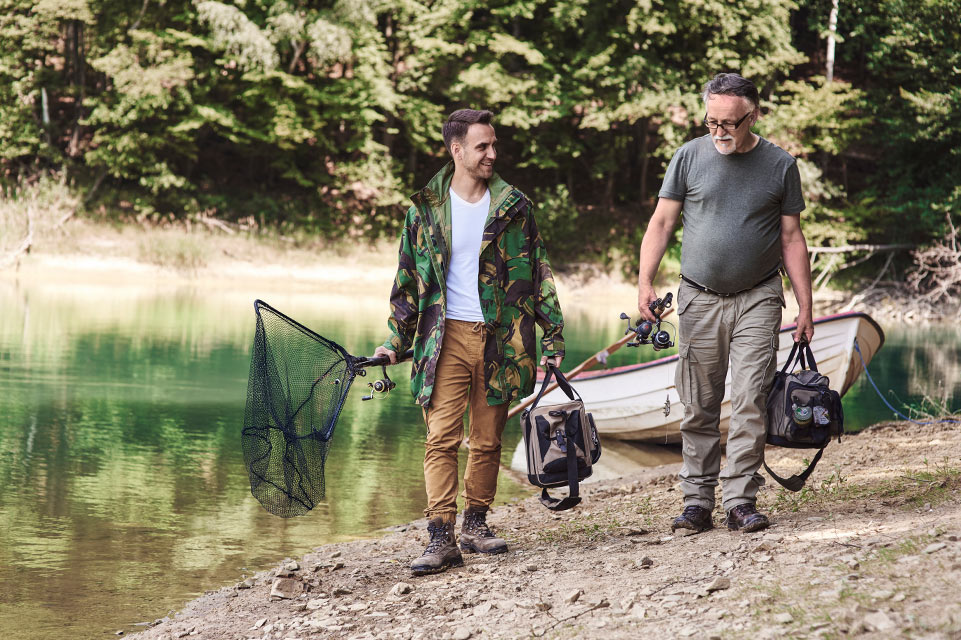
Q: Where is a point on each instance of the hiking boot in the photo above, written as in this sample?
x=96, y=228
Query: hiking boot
x=476, y=536
x=441, y=551
x=694, y=518
x=745, y=517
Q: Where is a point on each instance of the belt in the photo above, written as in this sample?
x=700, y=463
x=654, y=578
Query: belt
x=701, y=287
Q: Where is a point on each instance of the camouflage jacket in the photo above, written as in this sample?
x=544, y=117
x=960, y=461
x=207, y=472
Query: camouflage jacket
x=515, y=283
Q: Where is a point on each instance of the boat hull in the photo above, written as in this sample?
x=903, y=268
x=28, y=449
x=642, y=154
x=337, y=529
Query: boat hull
x=640, y=402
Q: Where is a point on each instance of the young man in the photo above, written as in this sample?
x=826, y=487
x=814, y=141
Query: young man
x=741, y=197
x=473, y=279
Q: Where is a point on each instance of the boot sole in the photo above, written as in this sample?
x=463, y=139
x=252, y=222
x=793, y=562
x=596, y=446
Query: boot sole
x=692, y=527
x=456, y=562
x=751, y=528
x=466, y=548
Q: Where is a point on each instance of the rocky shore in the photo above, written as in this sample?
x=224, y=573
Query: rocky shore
x=870, y=548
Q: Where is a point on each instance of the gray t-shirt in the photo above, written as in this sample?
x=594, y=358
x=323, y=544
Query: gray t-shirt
x=732, y=208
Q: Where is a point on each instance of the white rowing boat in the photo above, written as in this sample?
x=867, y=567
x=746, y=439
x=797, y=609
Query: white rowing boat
x=639, y=402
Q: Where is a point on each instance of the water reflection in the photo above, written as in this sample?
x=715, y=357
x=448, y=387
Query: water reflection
x=125, y=491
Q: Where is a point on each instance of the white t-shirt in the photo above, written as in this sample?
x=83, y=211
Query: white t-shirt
x=467, y=231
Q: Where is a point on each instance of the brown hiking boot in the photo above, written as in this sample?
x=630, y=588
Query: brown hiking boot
x=694, y=518
x=745, y=517
x=476, y=536
x=441, y=551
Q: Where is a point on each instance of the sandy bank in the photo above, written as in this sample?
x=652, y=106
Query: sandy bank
x=869, y=549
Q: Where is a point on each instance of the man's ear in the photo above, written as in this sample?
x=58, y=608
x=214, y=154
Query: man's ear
x=456, y=151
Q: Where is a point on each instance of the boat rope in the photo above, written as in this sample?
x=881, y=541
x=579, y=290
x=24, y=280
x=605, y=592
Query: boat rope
x=864, y=365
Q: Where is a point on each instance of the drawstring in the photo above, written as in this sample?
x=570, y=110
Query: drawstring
x=478, y=327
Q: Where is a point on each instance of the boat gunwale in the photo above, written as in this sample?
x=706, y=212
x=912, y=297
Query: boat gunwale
x=590, y=375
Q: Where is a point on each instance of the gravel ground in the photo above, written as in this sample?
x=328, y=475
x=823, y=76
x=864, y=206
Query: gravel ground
x=870, y=548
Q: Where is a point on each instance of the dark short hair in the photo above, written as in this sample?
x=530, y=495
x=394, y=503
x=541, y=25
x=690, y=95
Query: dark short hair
x=455, y=129
x=731, y=84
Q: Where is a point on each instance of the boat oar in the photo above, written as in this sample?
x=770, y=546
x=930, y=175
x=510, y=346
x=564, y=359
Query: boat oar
x=590, y=363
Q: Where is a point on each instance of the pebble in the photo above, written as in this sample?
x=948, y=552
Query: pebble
x=645, y=562
x=878, y=621
x=573, y=596
x=936, y=546
x=461, y=633
x=286, y=588
x=719, y=583
x=292, y=566
x=784, y=618
x=400, y=589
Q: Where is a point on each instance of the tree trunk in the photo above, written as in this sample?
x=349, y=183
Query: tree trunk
x=645, y=159
x=78, y=80
x=832, y=29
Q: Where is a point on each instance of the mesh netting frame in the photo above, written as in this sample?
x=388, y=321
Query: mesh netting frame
x=264, y=488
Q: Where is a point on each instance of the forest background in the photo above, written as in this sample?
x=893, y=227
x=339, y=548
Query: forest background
x=317, y=119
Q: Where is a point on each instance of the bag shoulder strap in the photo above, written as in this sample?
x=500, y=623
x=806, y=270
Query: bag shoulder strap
x=573, y=498
x=796, y=482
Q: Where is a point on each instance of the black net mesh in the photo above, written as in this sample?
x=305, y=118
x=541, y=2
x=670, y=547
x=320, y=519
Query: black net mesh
x=298, y=384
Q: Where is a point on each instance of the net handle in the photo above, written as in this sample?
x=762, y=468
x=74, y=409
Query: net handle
x=375, y=361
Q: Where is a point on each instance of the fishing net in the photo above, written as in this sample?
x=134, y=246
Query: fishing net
x=297, y=387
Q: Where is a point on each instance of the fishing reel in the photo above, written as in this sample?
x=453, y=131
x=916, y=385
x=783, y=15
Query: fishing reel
x=647, y=332
x=380, y=387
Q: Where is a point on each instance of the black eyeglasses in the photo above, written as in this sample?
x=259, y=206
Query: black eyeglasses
x=728, y=128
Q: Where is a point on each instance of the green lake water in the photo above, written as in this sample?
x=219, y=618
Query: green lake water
x=124, y=490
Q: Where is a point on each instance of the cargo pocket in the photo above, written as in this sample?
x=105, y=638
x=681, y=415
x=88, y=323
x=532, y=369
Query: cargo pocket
x=774, y=286
x=688, y=296
x=771, y=365
x=682, y=377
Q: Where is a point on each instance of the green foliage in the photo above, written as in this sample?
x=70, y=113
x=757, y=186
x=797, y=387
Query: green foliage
x=323, y=117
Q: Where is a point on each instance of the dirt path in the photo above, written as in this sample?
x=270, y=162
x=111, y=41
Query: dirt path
x=869, y=549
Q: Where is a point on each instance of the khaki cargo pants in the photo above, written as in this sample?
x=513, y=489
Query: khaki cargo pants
x=742, y=328
x=460, y=379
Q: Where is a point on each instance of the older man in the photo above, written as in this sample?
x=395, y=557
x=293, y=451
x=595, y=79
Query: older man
x=741, y=201
x=472, y=281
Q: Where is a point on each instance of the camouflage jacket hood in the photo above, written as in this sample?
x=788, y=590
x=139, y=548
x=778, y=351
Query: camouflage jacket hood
x=515, y=282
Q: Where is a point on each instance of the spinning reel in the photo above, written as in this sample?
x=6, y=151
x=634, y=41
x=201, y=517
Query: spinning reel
x=647, y=332
x=381, y=387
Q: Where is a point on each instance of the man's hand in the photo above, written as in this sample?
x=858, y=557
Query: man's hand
x=555, y=360
x=645, y=296
x=805, y=328
x=384, y=351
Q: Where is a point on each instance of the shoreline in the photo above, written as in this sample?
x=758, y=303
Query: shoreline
x=863, y=551
x=94, y=253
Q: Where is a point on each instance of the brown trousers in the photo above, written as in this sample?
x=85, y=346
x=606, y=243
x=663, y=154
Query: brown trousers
x=460, y=379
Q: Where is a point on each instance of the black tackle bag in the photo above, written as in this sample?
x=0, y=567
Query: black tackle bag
x=803, y=412
x=562, y=443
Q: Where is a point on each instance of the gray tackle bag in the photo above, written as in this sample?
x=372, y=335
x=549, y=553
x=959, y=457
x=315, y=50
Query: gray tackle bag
x=803, y=412
x=562, y=444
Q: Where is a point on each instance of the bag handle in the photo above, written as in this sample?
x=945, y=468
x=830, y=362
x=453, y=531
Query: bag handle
x=562, y=382
x=812, y=365
x=796, y=482
x=573, y=498
x=800, y=354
